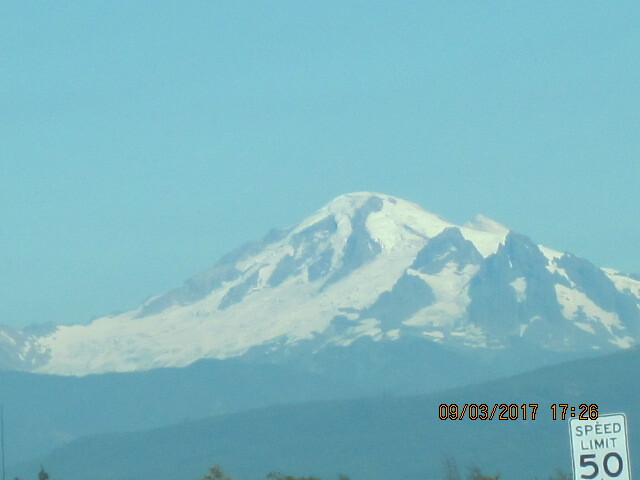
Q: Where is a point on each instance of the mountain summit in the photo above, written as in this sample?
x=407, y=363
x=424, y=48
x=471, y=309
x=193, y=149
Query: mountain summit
x=366, y=265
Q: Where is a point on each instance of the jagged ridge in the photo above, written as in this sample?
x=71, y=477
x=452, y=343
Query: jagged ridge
x=365, y=265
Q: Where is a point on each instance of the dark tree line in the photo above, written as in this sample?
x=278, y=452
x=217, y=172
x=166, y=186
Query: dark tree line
x=449, y=470
x=216, y=473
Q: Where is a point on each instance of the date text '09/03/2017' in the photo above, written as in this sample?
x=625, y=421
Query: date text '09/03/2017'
x=504, y=411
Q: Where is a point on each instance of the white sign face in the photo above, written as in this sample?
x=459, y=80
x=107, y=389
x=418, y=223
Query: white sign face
x=600, y=448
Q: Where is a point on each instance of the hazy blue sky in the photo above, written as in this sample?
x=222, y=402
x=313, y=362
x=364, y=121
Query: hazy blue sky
x=142, y=140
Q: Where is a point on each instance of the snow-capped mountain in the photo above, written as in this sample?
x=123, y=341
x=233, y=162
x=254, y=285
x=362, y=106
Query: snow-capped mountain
x=365, y=265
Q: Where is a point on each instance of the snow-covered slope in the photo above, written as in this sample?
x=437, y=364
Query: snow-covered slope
x=365, y=265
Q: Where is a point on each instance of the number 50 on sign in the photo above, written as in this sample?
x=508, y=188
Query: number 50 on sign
x=600, y=448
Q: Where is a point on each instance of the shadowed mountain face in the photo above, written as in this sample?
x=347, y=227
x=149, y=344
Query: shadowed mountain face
x=364, y=266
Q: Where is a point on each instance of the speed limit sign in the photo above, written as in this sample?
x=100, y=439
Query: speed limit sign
x=600, y=448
